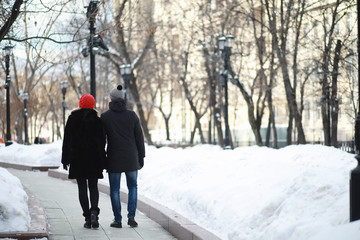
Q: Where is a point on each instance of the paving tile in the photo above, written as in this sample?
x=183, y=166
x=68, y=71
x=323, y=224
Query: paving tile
x=61, y=237
x=55, y=213
x=49, y=204
x=64, y=215
x=58, y=226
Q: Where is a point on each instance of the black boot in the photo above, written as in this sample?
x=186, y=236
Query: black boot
x=132, y=222
x=94, y=217
x=87, y=223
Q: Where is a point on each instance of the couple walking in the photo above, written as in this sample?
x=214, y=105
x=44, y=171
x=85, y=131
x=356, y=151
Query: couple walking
x=84, y=153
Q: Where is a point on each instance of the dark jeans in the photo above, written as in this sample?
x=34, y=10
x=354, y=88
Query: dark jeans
x=131, y=181
x=83, y=185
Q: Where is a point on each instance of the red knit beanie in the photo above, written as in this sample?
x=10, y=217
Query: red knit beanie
x=87, y=101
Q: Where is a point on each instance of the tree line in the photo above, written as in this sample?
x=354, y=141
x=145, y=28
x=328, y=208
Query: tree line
x=290, y=49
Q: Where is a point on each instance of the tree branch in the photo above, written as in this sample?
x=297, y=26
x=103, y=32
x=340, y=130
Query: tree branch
x=14, y=14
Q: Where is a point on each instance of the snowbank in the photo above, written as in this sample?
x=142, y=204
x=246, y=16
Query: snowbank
x=258, y=193
x=14, y=212
x=252, y=192
x=32, y=155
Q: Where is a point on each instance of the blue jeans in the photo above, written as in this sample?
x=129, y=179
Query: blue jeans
x=131, y=181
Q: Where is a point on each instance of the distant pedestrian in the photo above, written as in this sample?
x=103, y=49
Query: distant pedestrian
x=125, y=153
x=84, y=150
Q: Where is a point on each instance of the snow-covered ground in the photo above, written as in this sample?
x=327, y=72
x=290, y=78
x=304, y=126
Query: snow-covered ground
x=32, y=155
x=14, y=212
x=297, y=192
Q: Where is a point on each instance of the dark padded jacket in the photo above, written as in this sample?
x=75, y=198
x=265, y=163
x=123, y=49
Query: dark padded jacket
x=84, y=145
x=125, y=149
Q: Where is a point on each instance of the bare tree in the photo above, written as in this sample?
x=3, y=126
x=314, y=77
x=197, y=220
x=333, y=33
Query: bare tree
x=165, y=85
x=280, y=19
x=199, y=91
x=331, y=16
x=126, y=54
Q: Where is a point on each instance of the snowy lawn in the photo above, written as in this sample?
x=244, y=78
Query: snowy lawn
x=297, y=192
x=32, y=155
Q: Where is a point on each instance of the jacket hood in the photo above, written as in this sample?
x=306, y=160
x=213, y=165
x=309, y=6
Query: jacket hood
x=118, y=105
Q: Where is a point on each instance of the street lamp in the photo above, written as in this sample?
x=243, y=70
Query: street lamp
x=25, y=97
x=125, y=71
x=7, y=53
x=94, y=42
x=63, y=85
x=355, y=173
x=91, y=14
x=225, y=45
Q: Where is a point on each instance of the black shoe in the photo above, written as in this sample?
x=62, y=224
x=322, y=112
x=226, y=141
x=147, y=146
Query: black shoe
x=116, y=224
x=132, y=222
x=87, y=223
x=94, y=218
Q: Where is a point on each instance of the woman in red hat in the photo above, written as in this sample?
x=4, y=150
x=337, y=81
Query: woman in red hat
x=84, y=151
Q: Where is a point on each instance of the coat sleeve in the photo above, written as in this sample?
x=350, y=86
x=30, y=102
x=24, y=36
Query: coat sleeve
x=139, y=138
x=102, y=137
x=66, y=148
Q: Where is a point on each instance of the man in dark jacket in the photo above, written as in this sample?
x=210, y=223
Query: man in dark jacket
x=125, y=153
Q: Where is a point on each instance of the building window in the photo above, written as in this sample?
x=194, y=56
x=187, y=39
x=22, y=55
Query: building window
x=175, y=41
x=316, y=24
x=337, y=27
x=307, y=111
x=318, y=113
x=348, y=21
x=349, y=71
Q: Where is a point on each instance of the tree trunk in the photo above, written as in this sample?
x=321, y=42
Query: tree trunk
x=136, y=96
x=197, y=126
x=334, y=100
x=289, y=129
x=275, y=138
x=211, y=70
x=325, y=99
x=167, y=128
x=268, y=132
x=217, y=120
x=255, y=125
x=19, y=128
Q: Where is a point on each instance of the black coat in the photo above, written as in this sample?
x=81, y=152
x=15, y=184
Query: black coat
x=125, y=149
x=84, y=145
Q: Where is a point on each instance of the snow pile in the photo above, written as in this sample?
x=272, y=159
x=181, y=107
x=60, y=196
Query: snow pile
x=299, y=192
x=14, y=213
x=32, y=155
x=252, y=192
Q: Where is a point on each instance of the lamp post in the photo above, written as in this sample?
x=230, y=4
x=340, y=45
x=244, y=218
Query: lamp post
x=63, y=85
x=355, y=173
x=225, y=45
x=91, y=14
x=125, y=71
x=25, y=97
x=94, y=42
x=7, y=53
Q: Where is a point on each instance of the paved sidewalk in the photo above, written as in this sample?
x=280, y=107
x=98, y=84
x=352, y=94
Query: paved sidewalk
x=60, y=201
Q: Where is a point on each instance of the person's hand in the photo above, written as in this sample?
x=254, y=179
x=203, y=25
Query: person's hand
x=141, y=162
x=65, y=166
